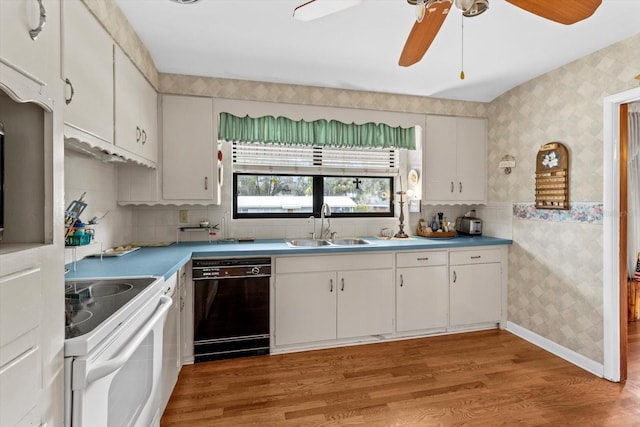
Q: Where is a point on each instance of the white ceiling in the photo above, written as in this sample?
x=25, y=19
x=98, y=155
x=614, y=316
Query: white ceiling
x=359, y=48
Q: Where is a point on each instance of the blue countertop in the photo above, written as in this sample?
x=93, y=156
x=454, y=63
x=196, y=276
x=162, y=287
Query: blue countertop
x=164, y=261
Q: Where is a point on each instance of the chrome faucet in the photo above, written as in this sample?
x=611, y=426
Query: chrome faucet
x=325, y=233
x=312, y=219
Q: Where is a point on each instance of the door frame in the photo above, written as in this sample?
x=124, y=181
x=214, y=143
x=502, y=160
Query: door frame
x=613, y=357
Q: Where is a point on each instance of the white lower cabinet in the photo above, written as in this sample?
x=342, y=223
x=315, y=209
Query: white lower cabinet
x=20, y=351
x=333, y=297
x=475, y=287
x=422, y=291
x=323, y=300
x=171, y=342
x=365, y=303
x=305, y=307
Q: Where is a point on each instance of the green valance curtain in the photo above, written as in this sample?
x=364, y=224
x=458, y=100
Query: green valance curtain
x=329, y=133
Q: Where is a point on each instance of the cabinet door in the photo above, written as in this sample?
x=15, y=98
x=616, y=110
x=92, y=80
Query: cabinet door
x=422, y=298
x=471, y=160
x=188, y=148
x=136, y=109
x=474, y=294
x=305, y=307
x=440, y=159
x=39, y=58
x=365, y=303
x=88, y=65
x=171, y=344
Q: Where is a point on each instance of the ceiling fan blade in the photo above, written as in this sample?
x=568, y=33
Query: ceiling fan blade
x=565, y=12
x=423, y=33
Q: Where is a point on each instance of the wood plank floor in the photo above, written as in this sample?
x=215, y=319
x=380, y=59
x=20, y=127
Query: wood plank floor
x=488, y=378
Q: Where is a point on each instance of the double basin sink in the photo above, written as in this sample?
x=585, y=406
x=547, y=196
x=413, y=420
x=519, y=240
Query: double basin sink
x=317, y=243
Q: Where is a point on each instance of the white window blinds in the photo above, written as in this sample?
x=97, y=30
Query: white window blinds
x=287, y=159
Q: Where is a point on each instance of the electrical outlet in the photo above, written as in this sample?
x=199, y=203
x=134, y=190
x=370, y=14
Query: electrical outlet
x=184, y=216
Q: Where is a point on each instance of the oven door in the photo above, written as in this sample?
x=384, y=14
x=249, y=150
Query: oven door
x=118, y=384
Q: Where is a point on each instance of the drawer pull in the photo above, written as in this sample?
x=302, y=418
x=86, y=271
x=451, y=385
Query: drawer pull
x=330, y=285
x=476, y=257
x=455, y=277
x=342, y=280
x=423, y=259
x=401, y=280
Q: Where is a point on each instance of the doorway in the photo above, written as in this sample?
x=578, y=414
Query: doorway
x=614, y=266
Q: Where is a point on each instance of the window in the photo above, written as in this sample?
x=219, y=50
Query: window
x=276, y=181
x=299, y=196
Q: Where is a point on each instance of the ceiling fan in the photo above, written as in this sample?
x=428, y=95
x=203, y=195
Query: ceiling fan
x=430, y=15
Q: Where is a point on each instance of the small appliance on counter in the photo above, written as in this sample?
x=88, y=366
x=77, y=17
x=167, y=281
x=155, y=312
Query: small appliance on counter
x=469, y=225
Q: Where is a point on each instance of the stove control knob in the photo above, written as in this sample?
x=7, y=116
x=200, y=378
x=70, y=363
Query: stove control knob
x=255, y=270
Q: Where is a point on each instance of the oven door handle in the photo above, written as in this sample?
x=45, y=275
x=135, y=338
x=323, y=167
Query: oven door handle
x=103, y=369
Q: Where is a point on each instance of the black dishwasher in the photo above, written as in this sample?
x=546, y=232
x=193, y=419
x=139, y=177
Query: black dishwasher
x=231, y=307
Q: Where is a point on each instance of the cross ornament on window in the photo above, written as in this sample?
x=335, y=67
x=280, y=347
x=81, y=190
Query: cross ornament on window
x=357, y=182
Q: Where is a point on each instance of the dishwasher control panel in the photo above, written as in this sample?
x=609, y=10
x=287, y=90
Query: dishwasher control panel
x=207, y=268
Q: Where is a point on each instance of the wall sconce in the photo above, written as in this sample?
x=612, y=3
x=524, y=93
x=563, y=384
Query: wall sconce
x=507, y=162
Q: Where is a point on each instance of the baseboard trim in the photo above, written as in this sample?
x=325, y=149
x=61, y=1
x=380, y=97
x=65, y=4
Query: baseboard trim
x=555, y=348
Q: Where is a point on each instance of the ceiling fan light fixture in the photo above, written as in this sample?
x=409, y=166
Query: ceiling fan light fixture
x=477, y=8
x=420, y=10
x=464, y=5
x=185, y=1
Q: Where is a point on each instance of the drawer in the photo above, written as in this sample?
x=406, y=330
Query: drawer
x=421, y=259
x=363, y=261
x=476, y=256
x=19, y=386
x=20, y=303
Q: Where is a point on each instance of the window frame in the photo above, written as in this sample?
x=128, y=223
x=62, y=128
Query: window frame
x=318, y=198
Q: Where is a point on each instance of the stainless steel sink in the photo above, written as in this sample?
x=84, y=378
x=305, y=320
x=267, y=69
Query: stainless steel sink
x=316, y=243
x=350, y=241
x=306, y=243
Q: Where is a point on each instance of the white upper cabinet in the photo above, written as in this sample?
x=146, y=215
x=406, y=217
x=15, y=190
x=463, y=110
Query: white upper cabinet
x=455, y=158
x=88, y=73
x=30, y=38
x=136, y=117
x=189, y=150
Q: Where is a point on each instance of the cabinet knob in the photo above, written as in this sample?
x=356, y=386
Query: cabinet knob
x=43, y=20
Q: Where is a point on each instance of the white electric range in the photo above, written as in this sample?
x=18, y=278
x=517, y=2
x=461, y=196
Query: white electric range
x=113, y=351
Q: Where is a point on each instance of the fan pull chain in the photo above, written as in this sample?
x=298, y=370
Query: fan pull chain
x=462, y=50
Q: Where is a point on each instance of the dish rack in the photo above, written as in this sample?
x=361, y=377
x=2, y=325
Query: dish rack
x=71, y=215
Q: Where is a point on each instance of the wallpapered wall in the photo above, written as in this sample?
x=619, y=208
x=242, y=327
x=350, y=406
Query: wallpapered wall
x=555, y=263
